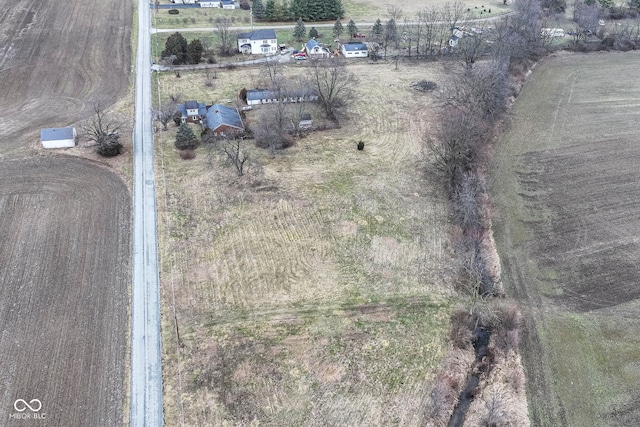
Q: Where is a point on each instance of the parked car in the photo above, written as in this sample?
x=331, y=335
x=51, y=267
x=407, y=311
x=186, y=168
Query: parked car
x=359, y=36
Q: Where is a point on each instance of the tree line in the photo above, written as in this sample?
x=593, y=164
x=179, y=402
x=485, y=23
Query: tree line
x=292, y=10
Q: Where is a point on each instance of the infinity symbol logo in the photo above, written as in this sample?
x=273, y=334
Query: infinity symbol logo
x=37, y=405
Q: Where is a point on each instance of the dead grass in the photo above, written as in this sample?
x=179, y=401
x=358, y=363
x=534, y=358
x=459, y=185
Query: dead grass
x=319, y=273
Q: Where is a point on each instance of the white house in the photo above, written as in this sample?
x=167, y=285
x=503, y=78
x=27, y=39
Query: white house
x=58, y=137
x=207, y=3
x=228, y=4
x=258, y=42
x=192, y=111
x=316, y=50
x=354, y=50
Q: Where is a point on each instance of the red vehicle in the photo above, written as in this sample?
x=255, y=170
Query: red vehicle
x=297, y=55
x=359, y=36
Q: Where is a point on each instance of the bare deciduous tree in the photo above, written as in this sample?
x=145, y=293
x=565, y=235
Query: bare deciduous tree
x=333, y=84
x=103, y=130
x=226, y=37
x=238, y=156
x=472, y=48
x=272, y=123
x=270, y=69
x=210, y=75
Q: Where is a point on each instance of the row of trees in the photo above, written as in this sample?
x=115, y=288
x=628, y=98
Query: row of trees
x=474, y=100
x=308, y=10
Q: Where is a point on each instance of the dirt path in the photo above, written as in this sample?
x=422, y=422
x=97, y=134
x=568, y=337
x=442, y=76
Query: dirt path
x=64, y=252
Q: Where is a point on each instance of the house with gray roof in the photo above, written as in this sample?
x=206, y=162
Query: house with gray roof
x=266, y=96
x=192, y=111
x=258, y=42
x=354, y=50
x=223, y=120
x=316, y=50
x=58, y=137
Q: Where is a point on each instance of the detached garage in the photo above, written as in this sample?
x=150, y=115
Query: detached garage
x=58, y=137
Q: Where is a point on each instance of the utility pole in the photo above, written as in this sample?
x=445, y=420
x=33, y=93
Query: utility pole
x=251, y=16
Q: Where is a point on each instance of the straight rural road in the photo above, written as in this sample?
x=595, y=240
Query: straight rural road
x=146, y=368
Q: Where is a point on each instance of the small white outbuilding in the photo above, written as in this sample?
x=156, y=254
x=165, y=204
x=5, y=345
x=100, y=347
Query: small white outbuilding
x=58, y=137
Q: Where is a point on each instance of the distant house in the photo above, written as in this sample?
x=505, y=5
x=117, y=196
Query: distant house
x=266, y=96
x=305, y=121
x=228, y=4
x=315, y=50
x=354, y=50
x=207, y=3
x=192, y=111
x=223, y=120
x=58, y=137
x=258, y=42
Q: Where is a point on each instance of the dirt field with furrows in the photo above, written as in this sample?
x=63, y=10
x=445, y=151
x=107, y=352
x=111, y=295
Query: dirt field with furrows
x=566, y=180
x=65, y=257
x=313, y=290
x=56, y=60
x=64, y=221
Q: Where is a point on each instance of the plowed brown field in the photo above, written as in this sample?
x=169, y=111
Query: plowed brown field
x=566, y=180
x=64, y=270
x=64, y=222
x=56, y=59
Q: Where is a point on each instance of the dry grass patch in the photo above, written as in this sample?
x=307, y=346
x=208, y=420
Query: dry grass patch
x=311, y=290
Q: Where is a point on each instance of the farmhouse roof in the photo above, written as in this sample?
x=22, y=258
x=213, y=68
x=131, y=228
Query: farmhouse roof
x=259, y=35
x=311, y=44
x=55, y=134
x=192, y=105
x=218, y=115
x=257, y=94
x=262, y=94
x=352, y=47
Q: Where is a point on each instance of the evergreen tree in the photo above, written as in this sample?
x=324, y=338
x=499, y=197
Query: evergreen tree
x=185, y=138
x=352, y=28
x=194, y=51
x=176, y=45
x=299, y=32
x=286, y=11
x=377, y=29
x=298, y=9
x=315, y=10
x=270, y=10
x=313, y=33
x=334, y=9
x=258, y=9
x=338, y=29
